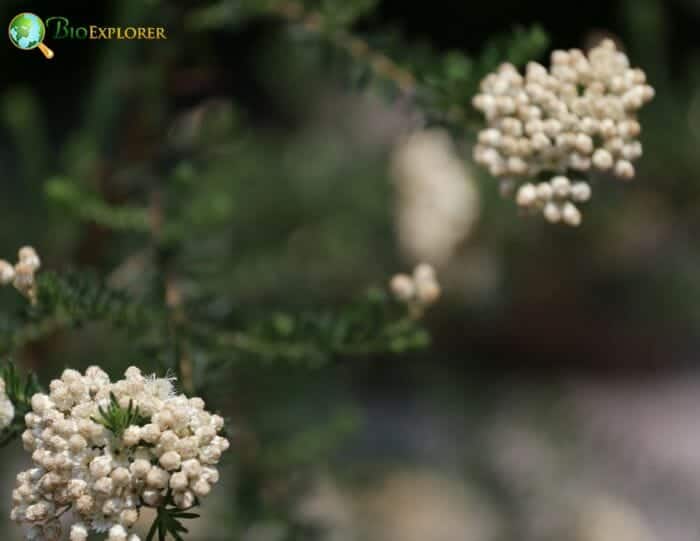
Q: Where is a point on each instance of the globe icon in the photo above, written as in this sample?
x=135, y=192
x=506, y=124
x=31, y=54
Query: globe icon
x=27, y=32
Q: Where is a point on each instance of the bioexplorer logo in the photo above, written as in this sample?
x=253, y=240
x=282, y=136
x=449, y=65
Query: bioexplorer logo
x=27, y=31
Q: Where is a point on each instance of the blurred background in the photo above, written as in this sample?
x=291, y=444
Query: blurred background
x=559, y=399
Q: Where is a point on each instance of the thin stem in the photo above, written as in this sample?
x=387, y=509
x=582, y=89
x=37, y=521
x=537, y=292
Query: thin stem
x=173, y=300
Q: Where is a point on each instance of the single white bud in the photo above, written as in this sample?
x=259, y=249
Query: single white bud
x=192, y=468
x=624, y=170
x=517, y=165
x=101, y=466
x=570, y=214
x=551, y=212
x=402, y=287
x=140, y=468
x=580, y=192
x=78, y=532
x=104, y=485
x=490, y=137
x=544, y=192
x=584, y=143
x=201, y=488
x=170, y=461
x=150, y=433
x=602, y=159
x=28, y=255
x=526, y=196
x=607, y=128
x=561, y=186
x=84, y=504
x=117, y=533
x=120, y=476
x=132, y=436
x=157, y=478
x=7, y=272
x=423, y=272
x=179, y=481
x=632, y=151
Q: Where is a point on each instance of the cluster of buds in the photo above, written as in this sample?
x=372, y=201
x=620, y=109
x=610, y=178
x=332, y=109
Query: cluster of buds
x=21, y=275
x=580, y=115
x=7, y=409
x=418, y=291
x=556, y=199
x=103, y=451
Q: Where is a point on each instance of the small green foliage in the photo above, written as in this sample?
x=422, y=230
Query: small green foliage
x=520, y=46
x=19, y=390
x=117, y=419
x=77, y=297
x=68, y=195
x=343, y=13
x=70, y=300
x=373, y=325
x=168, y=521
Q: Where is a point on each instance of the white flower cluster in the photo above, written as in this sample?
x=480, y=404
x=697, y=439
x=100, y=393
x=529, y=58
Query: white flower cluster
x=102, y=479
x=437, y=200
x=579, y=115
x=555, y=199
x=21, y=275
x=7, y=409
x=419, y=290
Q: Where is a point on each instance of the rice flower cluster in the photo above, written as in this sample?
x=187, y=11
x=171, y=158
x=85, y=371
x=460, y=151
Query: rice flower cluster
x=576, y=117
x=7, y=409
x=437, y=200
x=102, y=479
x=21, y=274
x=556, y=199
x=419, y=290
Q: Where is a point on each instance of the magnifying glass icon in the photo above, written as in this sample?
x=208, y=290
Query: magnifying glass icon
x=27, y=31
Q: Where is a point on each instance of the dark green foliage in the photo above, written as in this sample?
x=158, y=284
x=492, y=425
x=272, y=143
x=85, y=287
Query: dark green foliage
x=76, y=298
x=371, y=326
x=19, y=390
x=69, y=196
x=168, y=521
x=440, y=85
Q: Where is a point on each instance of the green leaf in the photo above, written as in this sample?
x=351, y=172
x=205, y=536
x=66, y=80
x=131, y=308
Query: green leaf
x=19, y=390
x=117, y=419
x=168, y=521
x=72, y=197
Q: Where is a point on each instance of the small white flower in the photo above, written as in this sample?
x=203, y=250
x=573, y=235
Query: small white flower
x=417, y=291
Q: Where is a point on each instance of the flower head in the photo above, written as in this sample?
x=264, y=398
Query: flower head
x=103, y=450
x=578, y=116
